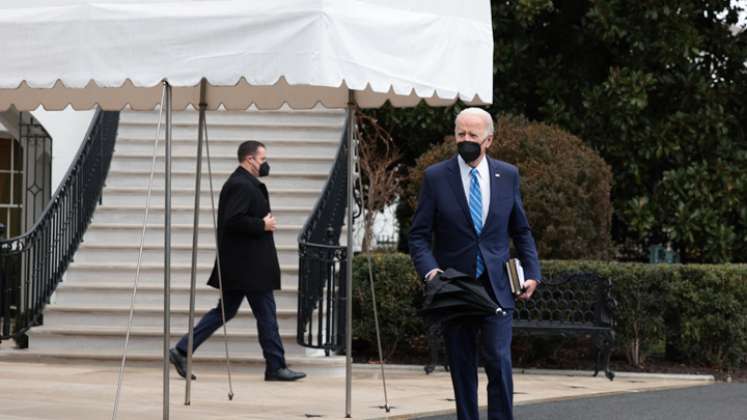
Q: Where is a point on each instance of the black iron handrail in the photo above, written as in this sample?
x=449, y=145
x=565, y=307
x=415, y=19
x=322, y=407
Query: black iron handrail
x=32, y=265
x=37, y=168
x=322, y=263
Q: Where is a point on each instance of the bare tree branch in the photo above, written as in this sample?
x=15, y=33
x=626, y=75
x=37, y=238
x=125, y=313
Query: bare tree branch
x=379, y=159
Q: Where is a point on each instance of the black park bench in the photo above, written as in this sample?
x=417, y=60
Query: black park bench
x=565, y=305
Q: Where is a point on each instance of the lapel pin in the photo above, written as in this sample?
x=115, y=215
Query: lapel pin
x=497, y=175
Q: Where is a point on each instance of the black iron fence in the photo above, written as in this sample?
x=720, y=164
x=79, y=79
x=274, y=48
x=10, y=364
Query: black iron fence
x=322, y=266
x=31, y=265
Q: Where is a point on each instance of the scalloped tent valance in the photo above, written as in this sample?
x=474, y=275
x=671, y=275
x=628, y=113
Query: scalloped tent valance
x=297, y=52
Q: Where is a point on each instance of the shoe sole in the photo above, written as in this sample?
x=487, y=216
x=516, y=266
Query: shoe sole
x=270, y=379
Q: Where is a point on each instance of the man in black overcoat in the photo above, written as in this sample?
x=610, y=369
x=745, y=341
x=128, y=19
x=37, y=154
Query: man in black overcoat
x=248, y=263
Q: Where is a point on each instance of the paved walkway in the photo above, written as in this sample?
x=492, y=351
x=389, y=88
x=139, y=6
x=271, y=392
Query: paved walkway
x=719, y=401
x=74, y=390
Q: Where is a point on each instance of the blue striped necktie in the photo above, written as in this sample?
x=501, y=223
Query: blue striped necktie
x=475, y=210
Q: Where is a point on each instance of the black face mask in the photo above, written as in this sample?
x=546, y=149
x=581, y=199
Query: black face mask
x=469, y=150
x=264, y=169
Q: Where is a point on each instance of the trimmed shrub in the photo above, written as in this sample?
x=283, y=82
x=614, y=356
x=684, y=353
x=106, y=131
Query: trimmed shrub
x=398, y=297
x=697, y=312
x=565, y=186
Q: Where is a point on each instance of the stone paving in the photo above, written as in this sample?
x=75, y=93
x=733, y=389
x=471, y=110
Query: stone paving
x=64, y=389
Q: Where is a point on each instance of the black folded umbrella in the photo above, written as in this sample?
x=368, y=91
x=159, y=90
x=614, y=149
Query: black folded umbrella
x=452, y=294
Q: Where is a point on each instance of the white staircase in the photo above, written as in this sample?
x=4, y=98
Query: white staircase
x=87, y=317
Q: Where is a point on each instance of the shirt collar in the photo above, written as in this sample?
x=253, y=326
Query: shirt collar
x=482, y=167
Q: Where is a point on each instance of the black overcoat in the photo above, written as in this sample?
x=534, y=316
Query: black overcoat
x=248, y=257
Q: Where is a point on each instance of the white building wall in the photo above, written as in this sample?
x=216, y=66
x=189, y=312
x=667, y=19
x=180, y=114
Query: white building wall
x=67, y=129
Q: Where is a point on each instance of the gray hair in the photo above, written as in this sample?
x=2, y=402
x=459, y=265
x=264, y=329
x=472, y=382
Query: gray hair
x=478, y=112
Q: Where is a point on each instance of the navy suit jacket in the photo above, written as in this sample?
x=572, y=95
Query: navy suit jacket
x=443, y=236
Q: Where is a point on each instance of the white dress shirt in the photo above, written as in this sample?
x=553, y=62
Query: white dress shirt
x=483, y=174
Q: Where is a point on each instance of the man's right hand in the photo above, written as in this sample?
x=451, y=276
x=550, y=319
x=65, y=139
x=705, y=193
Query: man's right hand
x=270, y=223
x=431, y=274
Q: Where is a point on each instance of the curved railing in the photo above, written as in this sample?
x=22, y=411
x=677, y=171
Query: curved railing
x=31, y=265
x=321, y=270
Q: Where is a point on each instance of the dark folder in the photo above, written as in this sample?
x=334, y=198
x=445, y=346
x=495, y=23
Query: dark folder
x=515, y=276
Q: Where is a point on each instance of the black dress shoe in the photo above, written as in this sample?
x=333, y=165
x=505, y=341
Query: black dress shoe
x=180, y=363
x=284, y=374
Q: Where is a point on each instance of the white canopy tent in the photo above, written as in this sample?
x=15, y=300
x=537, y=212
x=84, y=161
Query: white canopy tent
x=339, y=53
x=300, y=52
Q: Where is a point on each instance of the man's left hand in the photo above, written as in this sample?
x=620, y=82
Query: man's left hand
x=530, y=286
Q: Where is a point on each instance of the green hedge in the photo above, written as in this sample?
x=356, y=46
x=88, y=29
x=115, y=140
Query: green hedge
x=694, y=314
x=398, y=297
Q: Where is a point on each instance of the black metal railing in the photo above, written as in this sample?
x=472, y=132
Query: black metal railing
x=31, y=265
x=322, y=264
x=37, y=168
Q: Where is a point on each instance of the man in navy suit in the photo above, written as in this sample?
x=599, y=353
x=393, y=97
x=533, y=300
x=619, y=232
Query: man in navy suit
x=468, y=208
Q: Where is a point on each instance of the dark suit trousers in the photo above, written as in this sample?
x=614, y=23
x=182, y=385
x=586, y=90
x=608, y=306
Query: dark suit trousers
x=461, y=336
x=265, y=312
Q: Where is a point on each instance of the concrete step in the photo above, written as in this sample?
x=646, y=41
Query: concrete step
x=152, y=274
x=228, y=148
x=117, y=294
x=263, y=133
x=180, y=254
x=181, y=234
x=284, y=116
x=290, y=164
x=185, y=197
x=184, y=215
x=186, y=179
x=149, y=341
x=88, y=313
x=58, y=316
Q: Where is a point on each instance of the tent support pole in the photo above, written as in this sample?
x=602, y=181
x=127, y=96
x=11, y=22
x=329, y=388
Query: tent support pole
x=195, y=234
x=349, y=260
x=167, y=255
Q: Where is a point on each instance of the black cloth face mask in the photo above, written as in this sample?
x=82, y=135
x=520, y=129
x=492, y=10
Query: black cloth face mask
x=264, y=169
x=469, y=150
